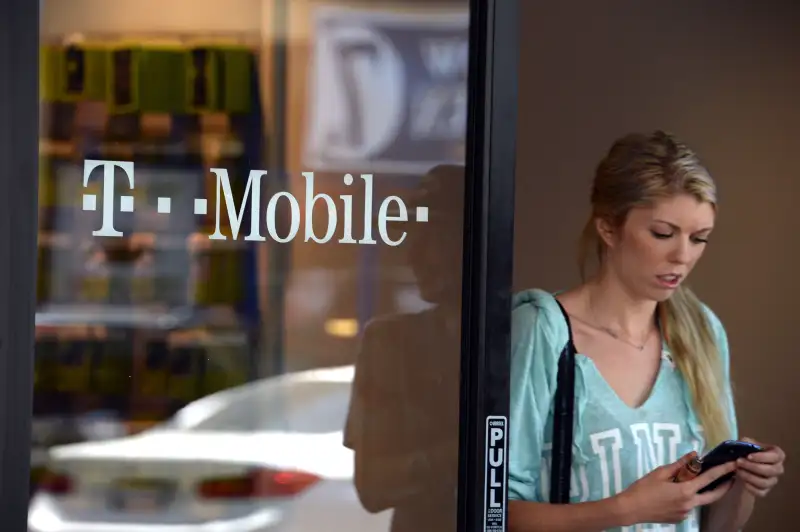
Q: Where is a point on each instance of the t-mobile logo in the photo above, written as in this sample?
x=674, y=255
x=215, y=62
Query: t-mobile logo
x=90, y=200
x=392, y=208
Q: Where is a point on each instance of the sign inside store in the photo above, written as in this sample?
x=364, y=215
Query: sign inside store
x=388, y=90
x=392, y=209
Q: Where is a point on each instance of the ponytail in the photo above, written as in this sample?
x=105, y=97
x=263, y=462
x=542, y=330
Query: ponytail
x=694, y=349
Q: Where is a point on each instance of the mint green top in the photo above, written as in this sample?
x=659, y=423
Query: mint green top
x=614, y=444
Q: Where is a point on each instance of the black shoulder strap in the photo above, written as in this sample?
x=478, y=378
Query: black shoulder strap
x=561, y=469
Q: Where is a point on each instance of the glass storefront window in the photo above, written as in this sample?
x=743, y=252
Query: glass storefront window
x=249, y=266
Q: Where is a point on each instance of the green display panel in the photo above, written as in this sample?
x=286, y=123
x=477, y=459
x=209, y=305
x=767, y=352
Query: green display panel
x=73, y=372
x=162, y=88
x=112, y=368
x=218, y=79
x=226, y=367
x=49, y=72
x=235, y=80
x=220, y=280
x=148, y=78
x=73, y=73
x=185, y=374
x=83, y=73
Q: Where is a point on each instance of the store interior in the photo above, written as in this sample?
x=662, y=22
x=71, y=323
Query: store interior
x=144, y=324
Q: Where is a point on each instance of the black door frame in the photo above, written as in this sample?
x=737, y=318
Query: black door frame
x=488, y=255
x=19, y=183
x=488, y=246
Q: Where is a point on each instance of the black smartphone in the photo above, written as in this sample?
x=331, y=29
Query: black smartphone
x=725, y=452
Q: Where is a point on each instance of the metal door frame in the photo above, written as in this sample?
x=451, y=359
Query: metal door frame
x=19, y=183
x=488, y=245
x=488, y=249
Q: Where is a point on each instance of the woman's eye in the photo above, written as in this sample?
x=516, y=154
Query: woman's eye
x=661, y=235
x=697, y=240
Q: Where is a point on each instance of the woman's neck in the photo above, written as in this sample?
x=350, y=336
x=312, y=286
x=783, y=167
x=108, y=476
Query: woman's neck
x=612, y=305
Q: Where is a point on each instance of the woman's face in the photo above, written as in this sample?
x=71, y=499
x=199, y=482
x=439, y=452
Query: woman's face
x=657, y=246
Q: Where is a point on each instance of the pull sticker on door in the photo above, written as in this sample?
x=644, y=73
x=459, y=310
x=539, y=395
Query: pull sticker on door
x=494, y=517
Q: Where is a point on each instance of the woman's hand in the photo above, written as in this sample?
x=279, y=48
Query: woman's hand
x=655, y=498
x=760, y=472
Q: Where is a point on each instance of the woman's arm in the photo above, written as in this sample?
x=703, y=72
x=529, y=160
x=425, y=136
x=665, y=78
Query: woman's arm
x=756, y=476
x=730, y=513
x=654, y=498
x=595, y=516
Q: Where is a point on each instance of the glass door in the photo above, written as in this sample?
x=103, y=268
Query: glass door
x=261, y=228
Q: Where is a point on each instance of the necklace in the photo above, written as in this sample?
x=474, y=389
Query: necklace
x=614, y=335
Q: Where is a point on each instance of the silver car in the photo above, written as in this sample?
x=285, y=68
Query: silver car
x=267, y=456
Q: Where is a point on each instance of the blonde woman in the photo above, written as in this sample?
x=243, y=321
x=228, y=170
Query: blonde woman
x=652, y=366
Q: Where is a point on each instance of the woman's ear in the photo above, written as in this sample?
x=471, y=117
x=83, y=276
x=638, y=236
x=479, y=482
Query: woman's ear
x=605, y=231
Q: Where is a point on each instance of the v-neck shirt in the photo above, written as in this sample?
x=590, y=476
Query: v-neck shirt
x=614, y=444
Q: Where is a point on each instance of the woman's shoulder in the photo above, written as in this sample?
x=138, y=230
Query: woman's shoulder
x=713, y=320
x=718, y=330
x=539, y=333
x=534, y=298
x=536, y=312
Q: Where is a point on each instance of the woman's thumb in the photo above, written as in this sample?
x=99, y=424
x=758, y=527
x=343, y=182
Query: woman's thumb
x=686, y=458
x=681, y=463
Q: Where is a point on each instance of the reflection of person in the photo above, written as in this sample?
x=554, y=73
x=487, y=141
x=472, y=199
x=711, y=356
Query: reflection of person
x=403, y=419
x=652, y=380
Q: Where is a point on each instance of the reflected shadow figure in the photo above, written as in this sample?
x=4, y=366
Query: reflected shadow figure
x=403, y=417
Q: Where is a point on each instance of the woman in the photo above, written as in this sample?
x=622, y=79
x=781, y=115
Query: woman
x=652, y=379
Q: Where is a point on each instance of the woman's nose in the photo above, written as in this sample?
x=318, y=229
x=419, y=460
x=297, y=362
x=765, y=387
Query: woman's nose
x=682, y=253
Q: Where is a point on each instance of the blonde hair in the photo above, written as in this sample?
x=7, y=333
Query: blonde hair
x=637, y=170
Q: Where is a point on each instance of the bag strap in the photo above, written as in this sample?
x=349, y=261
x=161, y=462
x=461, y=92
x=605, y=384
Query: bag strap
x=561, y=467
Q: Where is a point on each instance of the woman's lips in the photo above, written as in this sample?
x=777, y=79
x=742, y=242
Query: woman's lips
x=670, y=280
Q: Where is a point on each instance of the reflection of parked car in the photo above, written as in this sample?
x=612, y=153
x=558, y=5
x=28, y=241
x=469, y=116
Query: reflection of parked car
x=267, y=456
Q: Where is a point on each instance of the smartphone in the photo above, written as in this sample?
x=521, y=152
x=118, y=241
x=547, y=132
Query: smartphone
x=723, y=453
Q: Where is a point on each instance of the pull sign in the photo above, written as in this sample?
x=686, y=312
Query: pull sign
x=494, y=495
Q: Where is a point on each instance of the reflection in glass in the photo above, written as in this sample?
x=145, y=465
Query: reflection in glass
x=185, y=383
x=403, y=419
